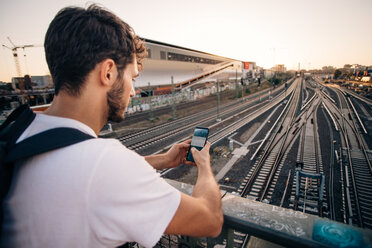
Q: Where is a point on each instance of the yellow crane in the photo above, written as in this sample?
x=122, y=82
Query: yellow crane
x=14, y=50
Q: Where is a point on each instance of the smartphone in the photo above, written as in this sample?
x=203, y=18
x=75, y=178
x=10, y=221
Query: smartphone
x=199, y=139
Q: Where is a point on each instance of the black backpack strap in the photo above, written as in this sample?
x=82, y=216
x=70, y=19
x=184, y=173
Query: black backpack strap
x=33, y=145
x=46, y=141
x=16, y=124
x=14, y=115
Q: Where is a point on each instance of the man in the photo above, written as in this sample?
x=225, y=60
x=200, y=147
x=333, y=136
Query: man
x=97, y=193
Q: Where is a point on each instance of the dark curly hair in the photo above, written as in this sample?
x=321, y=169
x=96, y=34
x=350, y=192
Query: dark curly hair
x=78, y=39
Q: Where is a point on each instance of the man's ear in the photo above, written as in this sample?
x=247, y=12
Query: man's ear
x=108, y=72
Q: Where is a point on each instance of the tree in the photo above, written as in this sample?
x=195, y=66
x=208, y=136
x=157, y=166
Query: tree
x=337, y=74
x=274, y=80
x=347, y=66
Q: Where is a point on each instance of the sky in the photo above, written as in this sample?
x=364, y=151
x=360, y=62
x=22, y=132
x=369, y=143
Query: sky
x=312, y=33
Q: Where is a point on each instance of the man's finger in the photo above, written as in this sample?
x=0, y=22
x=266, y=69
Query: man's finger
x=184, y=145
x=188, y=142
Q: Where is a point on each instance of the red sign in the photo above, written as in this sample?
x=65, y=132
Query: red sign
x=246, y=65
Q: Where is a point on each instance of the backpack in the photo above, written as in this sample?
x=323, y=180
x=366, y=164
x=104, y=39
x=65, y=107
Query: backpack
x=10, y=152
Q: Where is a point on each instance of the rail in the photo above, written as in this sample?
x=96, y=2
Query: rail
x=270, y=146
x=331, y=180
x=357, y=115
x=268, y=223
x=364, y=99
x=354, y=178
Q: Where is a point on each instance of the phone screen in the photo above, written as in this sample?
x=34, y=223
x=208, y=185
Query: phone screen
x=198, y=141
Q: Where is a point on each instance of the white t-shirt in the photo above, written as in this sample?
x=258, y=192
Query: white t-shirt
x=96, y=193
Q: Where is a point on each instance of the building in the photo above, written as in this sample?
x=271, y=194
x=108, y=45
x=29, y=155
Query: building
x=269, y=73
x=186, y=66
x=328, y=69
x=42, y=82
x=32, y=83
x=250, y=70
x=279, y=68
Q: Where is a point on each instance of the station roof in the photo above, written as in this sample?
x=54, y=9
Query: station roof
x=183, y=48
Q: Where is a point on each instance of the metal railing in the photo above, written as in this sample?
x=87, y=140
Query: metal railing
x=268, y=223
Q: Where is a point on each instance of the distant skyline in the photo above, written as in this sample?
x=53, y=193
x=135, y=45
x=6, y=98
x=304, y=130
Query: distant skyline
x=313, y=33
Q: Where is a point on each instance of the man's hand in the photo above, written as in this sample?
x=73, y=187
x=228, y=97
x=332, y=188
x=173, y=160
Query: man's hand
x=173, y=158
x=200, y=214
x=202, y=157
x=177, y=154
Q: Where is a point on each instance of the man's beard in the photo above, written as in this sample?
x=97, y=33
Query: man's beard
x=115, y=101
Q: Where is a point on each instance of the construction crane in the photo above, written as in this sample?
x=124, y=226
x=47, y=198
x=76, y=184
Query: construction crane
x=14, y=50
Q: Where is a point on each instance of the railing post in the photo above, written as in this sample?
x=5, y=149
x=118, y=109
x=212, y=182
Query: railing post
x=230, y=238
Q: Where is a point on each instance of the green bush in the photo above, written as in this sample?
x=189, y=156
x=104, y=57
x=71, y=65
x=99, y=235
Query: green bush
x=240, y=94
x=274, y=81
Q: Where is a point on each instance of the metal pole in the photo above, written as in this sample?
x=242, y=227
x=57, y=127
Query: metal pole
x=174, y=101
x=151, y=117
x=218, y=102
x=236, y=83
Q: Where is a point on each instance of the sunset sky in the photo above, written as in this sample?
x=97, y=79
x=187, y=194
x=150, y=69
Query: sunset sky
x=313, y=33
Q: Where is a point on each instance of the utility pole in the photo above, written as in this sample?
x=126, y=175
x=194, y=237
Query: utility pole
x=236, y=84
x=151, y=117
x=174, y=101
x=218, y=102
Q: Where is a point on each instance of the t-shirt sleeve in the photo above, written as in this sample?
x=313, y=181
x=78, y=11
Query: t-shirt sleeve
x=127, y=200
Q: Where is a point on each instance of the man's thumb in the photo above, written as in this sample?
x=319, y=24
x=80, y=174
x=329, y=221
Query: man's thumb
x=193, y=150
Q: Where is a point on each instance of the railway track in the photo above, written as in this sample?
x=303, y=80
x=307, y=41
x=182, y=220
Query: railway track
x=134, y=118
x=311, y=197
x=217, y=132
x=264, y=169
x=261, y=180
x=332, y=180
x=356, y=164
x=182, y=127
x=354, y=160
x=160, y=128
